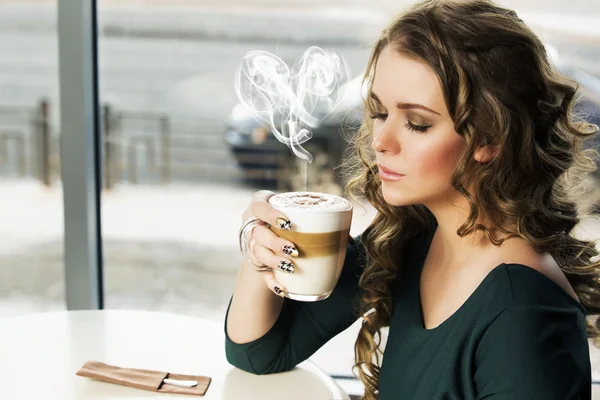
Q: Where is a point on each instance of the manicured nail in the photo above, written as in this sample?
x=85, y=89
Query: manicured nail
x=290, y=250
x=283, y=223
x=279, y=292
x=286, y=266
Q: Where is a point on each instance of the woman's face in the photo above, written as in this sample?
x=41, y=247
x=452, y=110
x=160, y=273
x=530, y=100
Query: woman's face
x=413, y=134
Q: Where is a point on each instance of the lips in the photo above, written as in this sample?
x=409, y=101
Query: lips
x=388, y=171
x=387, y=175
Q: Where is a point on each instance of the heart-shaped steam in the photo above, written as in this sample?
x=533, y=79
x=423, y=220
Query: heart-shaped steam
x=292, y=101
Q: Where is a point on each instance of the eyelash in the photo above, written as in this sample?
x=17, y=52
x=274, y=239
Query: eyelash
x=408, y=125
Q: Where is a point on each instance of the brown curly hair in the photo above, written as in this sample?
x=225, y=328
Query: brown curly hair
x=500, y=89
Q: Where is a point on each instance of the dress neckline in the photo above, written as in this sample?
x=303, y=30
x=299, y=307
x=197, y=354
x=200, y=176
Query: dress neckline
x=478, y=289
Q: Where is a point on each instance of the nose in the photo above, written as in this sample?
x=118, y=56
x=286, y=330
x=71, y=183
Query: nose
x=385, y=139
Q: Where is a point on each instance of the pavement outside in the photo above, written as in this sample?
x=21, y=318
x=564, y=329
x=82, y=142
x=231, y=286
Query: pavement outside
x=165, y=247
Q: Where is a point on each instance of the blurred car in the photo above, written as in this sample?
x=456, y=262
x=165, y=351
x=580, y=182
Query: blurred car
x=262, y=158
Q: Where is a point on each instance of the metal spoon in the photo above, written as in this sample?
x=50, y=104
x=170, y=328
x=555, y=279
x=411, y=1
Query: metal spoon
x=180, y=383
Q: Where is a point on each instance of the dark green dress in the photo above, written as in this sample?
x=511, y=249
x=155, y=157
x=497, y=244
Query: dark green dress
x=519, y=336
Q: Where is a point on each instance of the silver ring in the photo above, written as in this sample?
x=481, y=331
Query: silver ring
x=246, y=229
x=251, y=244
x=250, y=256
x=243, y=228
x=246, y=225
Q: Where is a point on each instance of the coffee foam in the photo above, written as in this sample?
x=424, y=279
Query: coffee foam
x=310, y=201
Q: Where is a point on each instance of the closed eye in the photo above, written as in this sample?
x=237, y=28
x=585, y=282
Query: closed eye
x=417, y=128
x=409, y=125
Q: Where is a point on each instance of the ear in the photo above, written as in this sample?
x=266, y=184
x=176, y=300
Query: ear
x=486, y=153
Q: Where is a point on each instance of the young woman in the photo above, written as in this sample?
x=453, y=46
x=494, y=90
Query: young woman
x=471, y=154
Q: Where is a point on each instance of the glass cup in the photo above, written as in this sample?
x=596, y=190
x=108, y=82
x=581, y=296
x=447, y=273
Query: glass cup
x=320, y=230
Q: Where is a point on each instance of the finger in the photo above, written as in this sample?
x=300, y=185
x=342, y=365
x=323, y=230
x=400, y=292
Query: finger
x=276, y=244
x=261, y=209
x=267, y=257
x=273, y=285
x=255, y=261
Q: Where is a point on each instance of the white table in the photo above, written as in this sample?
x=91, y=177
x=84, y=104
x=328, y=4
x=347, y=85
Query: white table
x=40, y=354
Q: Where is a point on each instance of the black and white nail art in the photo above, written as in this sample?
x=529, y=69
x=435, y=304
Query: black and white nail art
x=283, y=223
x=290, y=250
x=277, y=290
x=286, y=266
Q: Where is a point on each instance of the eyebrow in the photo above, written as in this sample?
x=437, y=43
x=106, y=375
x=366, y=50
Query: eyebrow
x=406, y=106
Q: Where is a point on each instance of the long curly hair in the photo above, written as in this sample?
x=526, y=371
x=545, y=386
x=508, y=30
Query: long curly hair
x=500, y=89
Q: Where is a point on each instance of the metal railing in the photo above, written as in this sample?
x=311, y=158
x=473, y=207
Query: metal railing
x=137, y=147
x=160, y=148
x=27, y=144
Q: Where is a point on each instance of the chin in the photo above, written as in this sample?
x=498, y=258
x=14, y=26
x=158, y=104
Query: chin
x=395, y=197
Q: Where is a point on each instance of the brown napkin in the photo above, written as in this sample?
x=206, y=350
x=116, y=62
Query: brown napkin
x=143, y=379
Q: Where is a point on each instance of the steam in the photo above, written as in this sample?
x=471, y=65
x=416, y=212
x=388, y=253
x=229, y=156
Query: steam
x=292, y=101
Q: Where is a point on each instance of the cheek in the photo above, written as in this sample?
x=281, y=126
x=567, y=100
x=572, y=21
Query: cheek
x=437, y=160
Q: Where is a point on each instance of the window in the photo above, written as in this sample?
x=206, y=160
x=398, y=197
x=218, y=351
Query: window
x=31, y=205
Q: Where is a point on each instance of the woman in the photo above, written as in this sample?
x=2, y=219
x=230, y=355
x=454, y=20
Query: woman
x=471, y=156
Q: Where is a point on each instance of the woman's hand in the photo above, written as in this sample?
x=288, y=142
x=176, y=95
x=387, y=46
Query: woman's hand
x=267, y=251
